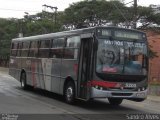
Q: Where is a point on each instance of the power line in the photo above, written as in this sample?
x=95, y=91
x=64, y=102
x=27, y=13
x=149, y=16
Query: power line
x=128, y=2
x=120, y=12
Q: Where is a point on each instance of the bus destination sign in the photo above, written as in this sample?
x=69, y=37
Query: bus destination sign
x=120, y=34
x=128, y=34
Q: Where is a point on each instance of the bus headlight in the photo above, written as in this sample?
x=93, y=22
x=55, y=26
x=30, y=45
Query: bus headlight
x=143, y=88
x=101, y=88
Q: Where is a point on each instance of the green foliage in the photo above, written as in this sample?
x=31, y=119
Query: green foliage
x=8, y=30
x=89, y=11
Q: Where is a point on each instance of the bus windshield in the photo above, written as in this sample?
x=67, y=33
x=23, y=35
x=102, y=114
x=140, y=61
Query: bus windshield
x=121, y=57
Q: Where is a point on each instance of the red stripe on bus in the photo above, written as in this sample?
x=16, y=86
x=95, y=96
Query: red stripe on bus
x=102, y=83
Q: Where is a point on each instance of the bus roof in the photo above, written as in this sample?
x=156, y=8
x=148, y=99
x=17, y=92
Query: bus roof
x=67, y=33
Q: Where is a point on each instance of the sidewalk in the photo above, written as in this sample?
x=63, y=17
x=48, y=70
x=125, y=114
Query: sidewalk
x=153, y=98
x=4, y=70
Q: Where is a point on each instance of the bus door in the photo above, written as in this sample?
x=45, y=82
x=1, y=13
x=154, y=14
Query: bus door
x=84, y=68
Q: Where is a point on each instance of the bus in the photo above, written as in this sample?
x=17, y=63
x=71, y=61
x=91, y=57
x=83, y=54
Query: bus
x=86, y=64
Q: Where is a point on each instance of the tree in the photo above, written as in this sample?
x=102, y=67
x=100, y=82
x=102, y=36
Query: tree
x=97, y=13
x=94, y=13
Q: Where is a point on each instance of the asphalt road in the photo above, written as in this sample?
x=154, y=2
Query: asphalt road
x=43, y=105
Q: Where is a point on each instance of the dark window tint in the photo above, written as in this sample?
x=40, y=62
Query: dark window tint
x=14, y=52
x=33, y=52
x=56, y=53
x=24, y=52
x=14, y=45
x=19, y=49
x=58, y=43
x=45, y=44
x=26, y=45
x=70, y=53
x=25, y=49
x=34, y=44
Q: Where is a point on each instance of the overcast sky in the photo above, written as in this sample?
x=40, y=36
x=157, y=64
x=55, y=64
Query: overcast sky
x=16, y=8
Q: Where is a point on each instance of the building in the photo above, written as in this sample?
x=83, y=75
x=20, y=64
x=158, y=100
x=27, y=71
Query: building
x=155, y=8
x=154, y=63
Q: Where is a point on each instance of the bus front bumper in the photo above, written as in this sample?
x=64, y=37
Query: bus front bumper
x=96, y=93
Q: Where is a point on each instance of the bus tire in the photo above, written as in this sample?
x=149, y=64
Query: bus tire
x=115, y=101
x=23, y=81
x=69, y=93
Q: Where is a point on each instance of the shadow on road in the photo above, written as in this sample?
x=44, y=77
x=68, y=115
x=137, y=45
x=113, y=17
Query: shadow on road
x=94, y=105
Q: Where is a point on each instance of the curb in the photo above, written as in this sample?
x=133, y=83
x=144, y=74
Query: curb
x=153, y=98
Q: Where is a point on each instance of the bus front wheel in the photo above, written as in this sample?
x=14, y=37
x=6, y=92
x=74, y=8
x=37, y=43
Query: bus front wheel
x=115, y=101
x=23, y=81
x=69, y=93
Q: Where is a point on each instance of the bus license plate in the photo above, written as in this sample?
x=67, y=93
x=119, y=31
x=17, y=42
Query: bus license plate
x=130, y=85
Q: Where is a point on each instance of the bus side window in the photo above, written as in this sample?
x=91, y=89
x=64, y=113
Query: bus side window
x=14, y=49
x=33, y=52
x=56, y=50
x=44, y=48
x=72, y=47
x=25, y=49
x=19, y=49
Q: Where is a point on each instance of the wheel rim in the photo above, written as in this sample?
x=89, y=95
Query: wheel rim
x=69, y=93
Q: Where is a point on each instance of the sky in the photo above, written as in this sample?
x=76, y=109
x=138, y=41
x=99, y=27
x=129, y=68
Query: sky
x=17, y=8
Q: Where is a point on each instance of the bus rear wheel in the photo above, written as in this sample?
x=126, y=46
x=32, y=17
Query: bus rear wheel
x=69, y=93
x=23, y=81
x=115, y=101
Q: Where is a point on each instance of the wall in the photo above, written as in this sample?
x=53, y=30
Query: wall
x=154, y=69
x=154, y=42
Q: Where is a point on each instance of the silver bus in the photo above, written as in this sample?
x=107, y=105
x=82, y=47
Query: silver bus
x=97, y=62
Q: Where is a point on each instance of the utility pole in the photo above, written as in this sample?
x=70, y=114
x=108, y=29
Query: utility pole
x=55, y=11
x=20, y=26
x=135, y=15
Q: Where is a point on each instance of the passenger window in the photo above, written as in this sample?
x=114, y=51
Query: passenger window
x=26, y=45
x=57, y=48
x=25, y=50
x=33, y=52
x=73, y=42
x=13, y=52
x=45, y=44
x=44, y=48
x=34, y=44
x=14, y=49
x=70, y=53
x=56, y=53
x=19, y=49
x=72, y=47
x=14, y=45
x=58, y=43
